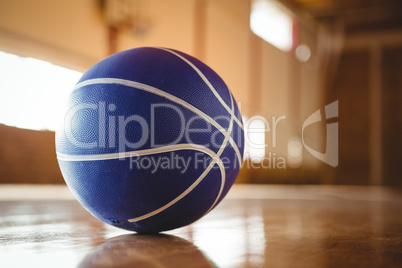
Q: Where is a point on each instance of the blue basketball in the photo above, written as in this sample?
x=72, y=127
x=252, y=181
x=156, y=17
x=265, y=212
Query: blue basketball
x=152, y=140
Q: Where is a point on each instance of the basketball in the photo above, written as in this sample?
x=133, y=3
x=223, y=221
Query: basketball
x=151, y=140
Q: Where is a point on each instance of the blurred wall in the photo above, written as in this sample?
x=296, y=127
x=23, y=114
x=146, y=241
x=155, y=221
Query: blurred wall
x=265, y=80
x=27, y=156
x=369, y=88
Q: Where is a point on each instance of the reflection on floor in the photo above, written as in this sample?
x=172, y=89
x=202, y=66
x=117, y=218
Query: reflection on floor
x=255, y=226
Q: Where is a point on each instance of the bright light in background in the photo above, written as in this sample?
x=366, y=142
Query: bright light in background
x=295, y=152
x=303, y=52
x=32, y=92
x=254, y=134
x=271, y=22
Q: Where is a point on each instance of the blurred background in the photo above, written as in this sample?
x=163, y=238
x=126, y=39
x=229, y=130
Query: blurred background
x=282, y=59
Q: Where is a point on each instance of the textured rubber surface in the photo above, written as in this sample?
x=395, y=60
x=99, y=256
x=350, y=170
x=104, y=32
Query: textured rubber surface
x=143, y=99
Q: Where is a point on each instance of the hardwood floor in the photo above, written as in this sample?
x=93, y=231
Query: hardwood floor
x=255, y=226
